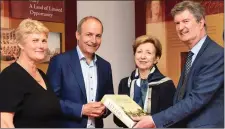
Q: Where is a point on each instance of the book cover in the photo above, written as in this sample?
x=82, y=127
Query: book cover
x=123, y=107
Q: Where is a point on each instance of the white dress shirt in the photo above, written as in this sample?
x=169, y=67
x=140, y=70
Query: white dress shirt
x=90, y=79
x=197, y=48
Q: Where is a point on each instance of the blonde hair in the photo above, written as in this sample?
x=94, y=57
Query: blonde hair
x=148, y=39
x=29, y=26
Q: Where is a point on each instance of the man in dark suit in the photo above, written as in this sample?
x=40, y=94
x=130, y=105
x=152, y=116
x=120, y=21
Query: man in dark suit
x=80, y=78
x=199, y=100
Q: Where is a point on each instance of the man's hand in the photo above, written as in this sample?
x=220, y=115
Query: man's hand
x=93, y=109
x=144, y=122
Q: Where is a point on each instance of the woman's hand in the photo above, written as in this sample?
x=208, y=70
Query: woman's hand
x=6, y=119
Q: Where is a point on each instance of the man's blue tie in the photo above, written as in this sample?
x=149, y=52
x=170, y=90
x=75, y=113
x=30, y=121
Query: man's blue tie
x=181, y=92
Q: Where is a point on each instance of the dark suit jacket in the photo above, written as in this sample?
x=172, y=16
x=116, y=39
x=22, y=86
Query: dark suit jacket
x=65, y=75
x=203, y=103
x=162, y=95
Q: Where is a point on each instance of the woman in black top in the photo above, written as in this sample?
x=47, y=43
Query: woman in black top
x=26, y=99
x=147, y=86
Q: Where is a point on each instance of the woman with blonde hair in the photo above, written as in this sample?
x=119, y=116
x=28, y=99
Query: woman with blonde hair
x=147, y=86
x=26, y=99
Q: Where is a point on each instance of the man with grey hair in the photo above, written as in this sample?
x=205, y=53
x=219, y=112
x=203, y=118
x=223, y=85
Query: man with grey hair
x=199, y=99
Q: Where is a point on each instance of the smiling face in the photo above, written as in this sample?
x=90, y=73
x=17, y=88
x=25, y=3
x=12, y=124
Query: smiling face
x=145, y=56
x=188, y=29
x=34, y=46
x=89, y=40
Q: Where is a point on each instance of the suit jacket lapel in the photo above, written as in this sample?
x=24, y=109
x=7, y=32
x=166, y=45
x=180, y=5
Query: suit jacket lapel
x=201, y=51
x=99, y=78
x=76, y=69
x=205, y=44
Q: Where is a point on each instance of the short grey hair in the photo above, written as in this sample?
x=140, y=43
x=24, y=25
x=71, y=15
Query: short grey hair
x=84, y=20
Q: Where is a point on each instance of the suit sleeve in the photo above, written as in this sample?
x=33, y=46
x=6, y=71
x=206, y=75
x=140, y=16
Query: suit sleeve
x=208, y=80
x=55, y=77
x=123, y=83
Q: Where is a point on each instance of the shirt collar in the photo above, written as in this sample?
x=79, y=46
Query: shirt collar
x=198, y=46
x=81, y=55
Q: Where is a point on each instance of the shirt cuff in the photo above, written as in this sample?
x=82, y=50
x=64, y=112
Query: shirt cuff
x=105, y=113
x=153, y=122
x=81, y=111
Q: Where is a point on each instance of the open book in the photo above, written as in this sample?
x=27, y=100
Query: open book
x=123, y=107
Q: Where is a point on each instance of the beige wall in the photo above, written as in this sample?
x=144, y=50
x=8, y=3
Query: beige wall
x=215, y=27
x=158, y=30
